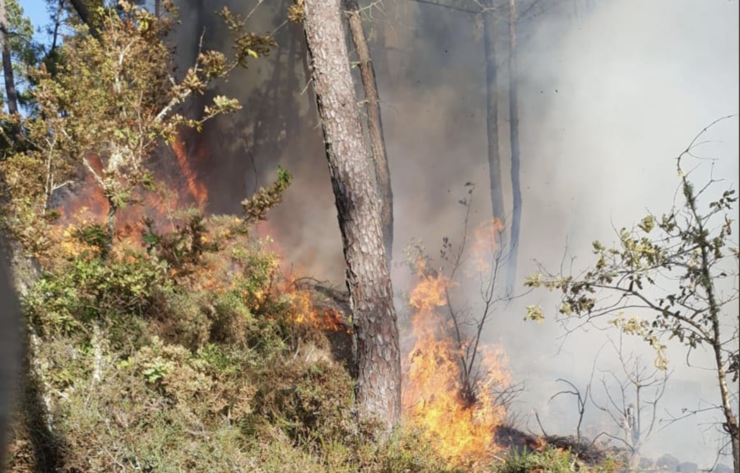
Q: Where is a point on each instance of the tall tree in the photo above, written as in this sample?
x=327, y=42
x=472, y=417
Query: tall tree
x=10, y=348
x=356, y=194
x=10, y=90
x=374, y=123
x=494, y=156
x=84, y=13
x=516, y=188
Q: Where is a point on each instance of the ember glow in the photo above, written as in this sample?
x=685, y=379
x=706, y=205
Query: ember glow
x=307, y=312
x=89, y=205
x=196, y=188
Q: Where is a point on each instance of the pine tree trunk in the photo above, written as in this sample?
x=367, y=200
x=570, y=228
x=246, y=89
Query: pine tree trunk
x=10, y=347
x=494, y=157
x=10, y=91
x=84, y=13
x=516, y=218
x=355, y=191
x=16, y=276
x=374, y=124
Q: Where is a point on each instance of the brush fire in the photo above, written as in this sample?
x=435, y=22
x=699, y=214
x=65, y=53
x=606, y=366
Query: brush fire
x=89, y=205
x=212, y=233
x=462, y=424
x=460, y=420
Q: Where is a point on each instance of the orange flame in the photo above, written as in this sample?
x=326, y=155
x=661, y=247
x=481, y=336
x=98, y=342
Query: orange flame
x=197, y=190
x=306, y=313
x=486, y=244
x=462, y=430
x=90, y=206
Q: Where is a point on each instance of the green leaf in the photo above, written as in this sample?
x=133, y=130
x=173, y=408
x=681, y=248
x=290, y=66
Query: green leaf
x=647, y=224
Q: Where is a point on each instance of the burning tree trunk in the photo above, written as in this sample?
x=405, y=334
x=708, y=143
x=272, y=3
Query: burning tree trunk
x=368, y=279
x=494, y=157
x=516, y=218
x=374, y=124
x=10, y=91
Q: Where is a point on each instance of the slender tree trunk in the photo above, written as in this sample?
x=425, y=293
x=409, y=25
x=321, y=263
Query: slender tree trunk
x=494, y=157
x=731, y=424
x=707, y=281
x=355, y=191
x=10, y=91
x=516, y=217
x=84, y=13
x=110, y=222
x=10, y=348
x=57, y=23
x=374, y=124
x=382, y=61
x=17, y=274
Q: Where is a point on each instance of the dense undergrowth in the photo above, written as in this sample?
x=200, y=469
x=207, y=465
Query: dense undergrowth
x=186, y=353
x=189, y=351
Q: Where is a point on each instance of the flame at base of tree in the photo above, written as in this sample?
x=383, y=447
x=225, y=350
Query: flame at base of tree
x=307, y=312
x=461, y=421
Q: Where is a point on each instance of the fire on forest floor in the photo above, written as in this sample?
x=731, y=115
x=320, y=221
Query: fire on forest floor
x=462, y=428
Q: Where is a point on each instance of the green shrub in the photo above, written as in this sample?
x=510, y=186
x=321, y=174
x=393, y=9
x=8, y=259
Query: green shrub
x=93, y=289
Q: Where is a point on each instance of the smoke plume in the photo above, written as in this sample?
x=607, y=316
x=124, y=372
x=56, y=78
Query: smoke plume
x=610, y=93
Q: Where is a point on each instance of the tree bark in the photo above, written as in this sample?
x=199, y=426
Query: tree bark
x=714, y=306
x=516, y=217
x=10, y=349
x=10, y=91
x=494, y=157
x=374, y=318
x=16, y=276
x=374, y=124
x=84, y=13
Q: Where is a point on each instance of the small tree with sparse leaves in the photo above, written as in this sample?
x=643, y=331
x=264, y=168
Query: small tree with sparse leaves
x=673, y=276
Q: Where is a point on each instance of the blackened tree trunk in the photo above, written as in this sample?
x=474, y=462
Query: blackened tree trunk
x=10, y=91
x=516, y=217
x=374, y=124
x=355, y=191
x=494, y=156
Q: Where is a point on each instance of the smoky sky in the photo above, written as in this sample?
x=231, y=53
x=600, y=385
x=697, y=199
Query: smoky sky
x=611, y=91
